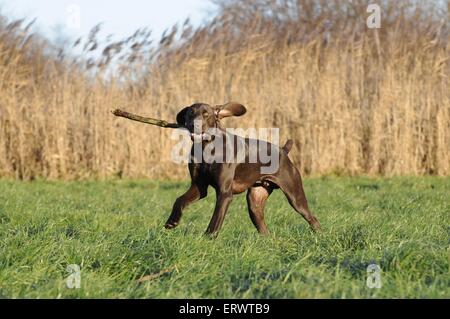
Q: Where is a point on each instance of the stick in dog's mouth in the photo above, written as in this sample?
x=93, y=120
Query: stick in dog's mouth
x=146, y=120
x=160, y=123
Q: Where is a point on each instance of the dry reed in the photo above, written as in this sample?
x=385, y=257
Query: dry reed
x=355, y=100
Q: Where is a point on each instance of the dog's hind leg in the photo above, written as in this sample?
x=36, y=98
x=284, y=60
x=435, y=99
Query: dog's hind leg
x=291, y=184
x=256, y=200
x=194, y=193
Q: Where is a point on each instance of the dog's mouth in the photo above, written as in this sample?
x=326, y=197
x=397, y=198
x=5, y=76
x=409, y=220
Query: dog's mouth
x=196, y=137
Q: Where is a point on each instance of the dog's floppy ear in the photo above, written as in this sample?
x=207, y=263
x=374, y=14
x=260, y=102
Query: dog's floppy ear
x=181, y=116
x=230, y=109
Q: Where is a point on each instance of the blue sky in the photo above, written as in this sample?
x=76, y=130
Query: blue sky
x=120, y=17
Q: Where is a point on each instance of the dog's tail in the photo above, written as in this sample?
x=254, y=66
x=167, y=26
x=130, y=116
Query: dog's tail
x=288, y=146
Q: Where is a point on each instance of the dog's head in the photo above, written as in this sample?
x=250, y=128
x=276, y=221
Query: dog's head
x=199, y=118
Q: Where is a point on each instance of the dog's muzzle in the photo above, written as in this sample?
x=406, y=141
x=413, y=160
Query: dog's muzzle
x=200, y=137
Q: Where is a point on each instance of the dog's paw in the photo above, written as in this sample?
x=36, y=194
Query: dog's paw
x=170, y=225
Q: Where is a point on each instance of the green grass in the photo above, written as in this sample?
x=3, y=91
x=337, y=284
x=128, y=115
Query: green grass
x=114, y=231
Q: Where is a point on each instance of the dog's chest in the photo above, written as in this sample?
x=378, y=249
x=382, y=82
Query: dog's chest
x=204, y=171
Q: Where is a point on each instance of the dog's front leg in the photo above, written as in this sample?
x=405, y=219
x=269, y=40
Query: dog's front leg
x=194, y=193
x=224, y=199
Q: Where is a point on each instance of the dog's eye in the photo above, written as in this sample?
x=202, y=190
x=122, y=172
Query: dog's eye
x=205, y=113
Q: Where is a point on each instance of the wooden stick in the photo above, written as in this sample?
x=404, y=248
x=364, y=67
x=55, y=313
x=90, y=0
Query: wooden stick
x=147, y=120
x=158, y=274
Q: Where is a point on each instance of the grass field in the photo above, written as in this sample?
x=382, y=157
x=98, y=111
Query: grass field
x=114, y=231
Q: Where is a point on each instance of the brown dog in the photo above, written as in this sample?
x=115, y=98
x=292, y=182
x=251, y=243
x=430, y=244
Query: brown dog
x=236, y=177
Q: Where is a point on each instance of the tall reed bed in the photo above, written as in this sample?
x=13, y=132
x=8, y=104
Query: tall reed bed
x=355, y=100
